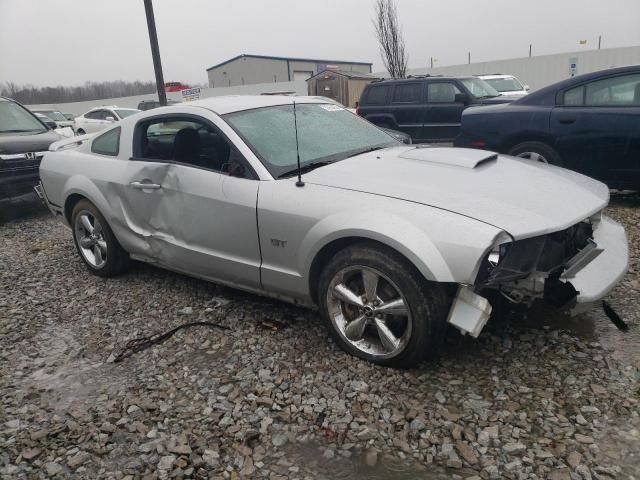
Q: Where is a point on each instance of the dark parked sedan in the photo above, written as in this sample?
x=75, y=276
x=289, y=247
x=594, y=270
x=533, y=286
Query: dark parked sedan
x=589, y=123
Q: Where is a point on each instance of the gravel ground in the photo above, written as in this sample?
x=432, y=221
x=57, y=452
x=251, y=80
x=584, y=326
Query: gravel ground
x=542, y=398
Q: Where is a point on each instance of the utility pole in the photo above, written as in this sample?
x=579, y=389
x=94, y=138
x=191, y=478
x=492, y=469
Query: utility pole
x=599, y=41
x=155, y=52
x=469, y=58
x=529, y=49
x=432, y=62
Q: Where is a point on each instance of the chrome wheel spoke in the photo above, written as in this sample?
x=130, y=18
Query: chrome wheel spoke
x=394, y=307
x=97, y=253
x=86, y=242
x=97, y=227
x=103, y=245
x=370, y=281
x=86, y=223
x=387, y=338
x=355, y=328
x=343, y=293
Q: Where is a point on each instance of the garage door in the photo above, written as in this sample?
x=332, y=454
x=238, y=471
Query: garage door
x=301, y=75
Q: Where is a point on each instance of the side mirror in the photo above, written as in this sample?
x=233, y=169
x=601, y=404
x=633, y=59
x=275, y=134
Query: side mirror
x=461, y=98
x=51, y=124
x=110, y=119
x=526, y=87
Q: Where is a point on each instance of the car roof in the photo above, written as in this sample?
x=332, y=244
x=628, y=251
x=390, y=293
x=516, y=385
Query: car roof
x=236, y=103
x=415, y=78
x=546, y=95
x=495, y=75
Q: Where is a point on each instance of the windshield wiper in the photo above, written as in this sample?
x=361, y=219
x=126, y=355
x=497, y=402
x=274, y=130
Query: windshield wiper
x=307, y=167
x=366, y=150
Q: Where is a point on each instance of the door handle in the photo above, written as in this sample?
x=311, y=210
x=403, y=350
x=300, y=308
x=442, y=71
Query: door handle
x=145, y=186
x=567, y=120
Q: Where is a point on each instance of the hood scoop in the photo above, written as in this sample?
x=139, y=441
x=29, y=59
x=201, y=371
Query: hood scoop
x=459, y=157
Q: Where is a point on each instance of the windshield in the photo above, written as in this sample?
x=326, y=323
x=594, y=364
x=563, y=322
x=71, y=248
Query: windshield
x=126, y=113
x=53, y=115
x=508, y=84
x=479, y=88
x=326, y=133
x=15, y=119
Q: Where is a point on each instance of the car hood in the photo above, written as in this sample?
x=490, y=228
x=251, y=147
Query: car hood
x=28, y=142
x=522, y=197
x=495, y=100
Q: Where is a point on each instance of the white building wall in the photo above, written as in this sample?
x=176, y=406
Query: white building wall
x=543, y=70
x=299, y=87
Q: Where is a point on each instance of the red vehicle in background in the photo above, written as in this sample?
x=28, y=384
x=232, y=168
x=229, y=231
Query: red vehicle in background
x=175, y=86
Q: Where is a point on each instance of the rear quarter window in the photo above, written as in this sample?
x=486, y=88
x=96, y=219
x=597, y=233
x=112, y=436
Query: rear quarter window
x=108, y=143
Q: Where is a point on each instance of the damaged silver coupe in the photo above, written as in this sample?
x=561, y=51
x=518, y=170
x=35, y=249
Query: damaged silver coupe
x=311, y=204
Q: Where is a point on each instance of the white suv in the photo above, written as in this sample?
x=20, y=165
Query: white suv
x=100, y=118
x=506, y=85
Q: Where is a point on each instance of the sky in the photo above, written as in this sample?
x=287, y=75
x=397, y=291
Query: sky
x=68, y=42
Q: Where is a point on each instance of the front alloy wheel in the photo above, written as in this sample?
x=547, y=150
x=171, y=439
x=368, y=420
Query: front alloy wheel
x=369, y=311
x=378, y=307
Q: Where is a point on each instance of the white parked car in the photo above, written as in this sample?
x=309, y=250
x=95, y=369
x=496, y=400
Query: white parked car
x=62, y=131
x=100, y=118
x=58, y=117
x=506, y=85
x=390, y=241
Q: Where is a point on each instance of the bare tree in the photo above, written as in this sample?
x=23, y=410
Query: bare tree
x=390, y=38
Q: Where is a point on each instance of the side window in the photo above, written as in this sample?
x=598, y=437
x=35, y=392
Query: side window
x=190, y=142
x=442, y=92
x=574, y=96
x=407, y=92
x=92, y=115
x=615, y=91
x=377, y=95
x=108, y=143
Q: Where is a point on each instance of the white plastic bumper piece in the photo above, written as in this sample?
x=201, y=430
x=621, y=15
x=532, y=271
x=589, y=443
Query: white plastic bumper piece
x=598, y=277
x=469, y=312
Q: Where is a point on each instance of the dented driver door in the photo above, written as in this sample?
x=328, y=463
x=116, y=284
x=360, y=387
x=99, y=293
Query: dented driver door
x=211, y=225
x=194, y=220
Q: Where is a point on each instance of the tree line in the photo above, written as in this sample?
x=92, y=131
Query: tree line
x=32, y=95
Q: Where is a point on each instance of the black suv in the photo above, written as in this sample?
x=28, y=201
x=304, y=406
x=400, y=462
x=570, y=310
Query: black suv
x=23, y=141
x=428, y=108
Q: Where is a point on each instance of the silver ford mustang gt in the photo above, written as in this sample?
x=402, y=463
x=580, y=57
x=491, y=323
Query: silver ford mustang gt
x=390, y=241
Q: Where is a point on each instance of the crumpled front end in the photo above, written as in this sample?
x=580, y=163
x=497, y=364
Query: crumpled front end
x=569, y=269
x=574, y=266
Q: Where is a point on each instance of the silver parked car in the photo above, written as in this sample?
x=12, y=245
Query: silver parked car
x=390, y=241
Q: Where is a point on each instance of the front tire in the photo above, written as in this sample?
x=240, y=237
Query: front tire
x=378, y=307
x=537, y=152
x=95, y=241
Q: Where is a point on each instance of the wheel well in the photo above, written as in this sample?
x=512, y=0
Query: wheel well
x=332, y=248
x=513, y=141
x=69, y=205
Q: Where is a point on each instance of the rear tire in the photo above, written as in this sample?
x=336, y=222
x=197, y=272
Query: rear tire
x=97, y=245
x=537, y=151
x=378, y=307
x=80, y=131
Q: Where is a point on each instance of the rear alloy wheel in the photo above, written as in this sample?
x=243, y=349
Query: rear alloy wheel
x=379, y=308
x=96, y=243
x=537, y=152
